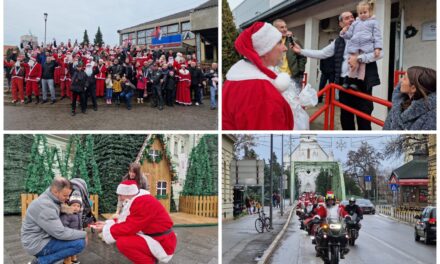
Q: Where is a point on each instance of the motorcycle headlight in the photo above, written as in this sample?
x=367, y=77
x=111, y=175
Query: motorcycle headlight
x=335, y=226
x=325, y=226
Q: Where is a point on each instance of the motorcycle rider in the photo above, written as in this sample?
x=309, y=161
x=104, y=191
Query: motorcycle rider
x=352, y=208
x=331, y=210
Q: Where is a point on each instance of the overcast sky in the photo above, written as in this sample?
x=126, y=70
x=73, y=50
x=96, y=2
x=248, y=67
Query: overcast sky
x=234, y=3
x=329, y=143
x=69, y=19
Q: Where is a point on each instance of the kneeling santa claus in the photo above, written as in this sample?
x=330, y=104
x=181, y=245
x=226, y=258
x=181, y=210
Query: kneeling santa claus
x=143, y=232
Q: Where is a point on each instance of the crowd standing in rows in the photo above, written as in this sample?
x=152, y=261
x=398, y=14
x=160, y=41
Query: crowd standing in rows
x=115, y=74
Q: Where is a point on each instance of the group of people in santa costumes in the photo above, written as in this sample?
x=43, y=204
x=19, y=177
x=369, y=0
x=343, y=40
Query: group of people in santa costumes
x=130, y=61
x=143, y=231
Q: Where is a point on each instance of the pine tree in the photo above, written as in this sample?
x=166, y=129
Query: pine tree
x=39, y=172
x=85, y=38
x=16, y=159
x=229, y=35
x=98, y=38
x=113, y=154
x=199, y=176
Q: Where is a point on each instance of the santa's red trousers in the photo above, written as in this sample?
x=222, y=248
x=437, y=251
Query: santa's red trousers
x=57, y=75
x=135, y=248
x=17, y=85
x=100, y=86
x=65, y=88
x=32, y=86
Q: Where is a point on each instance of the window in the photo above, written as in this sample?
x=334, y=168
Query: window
x=186, y=33
x=141, y=34
x=153, y=153
x=176, y=146
x=124, y=36
x=173, y=28
x=141, y=41
x=308, y=153
x=186, y=26
x=161, y=188
x=141, y=37
x=182, y=148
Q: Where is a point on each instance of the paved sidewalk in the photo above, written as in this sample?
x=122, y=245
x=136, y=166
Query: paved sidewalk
x=241, y=242
x=194, y=245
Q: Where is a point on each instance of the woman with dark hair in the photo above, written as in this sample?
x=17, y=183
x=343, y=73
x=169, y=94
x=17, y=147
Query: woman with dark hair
x=414, y=101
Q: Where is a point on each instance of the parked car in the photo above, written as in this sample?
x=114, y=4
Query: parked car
x=366, y=205
x=426, y=225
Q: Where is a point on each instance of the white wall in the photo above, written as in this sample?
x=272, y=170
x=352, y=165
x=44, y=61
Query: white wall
x=416, y=51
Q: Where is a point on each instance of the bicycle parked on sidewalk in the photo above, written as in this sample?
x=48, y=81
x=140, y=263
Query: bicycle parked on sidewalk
x=262, y=222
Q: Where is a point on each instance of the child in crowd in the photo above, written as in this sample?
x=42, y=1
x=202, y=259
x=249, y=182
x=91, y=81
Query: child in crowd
x=141, y=85
x=117, y=88
x=364, y=36
x=71, y=216
x=108, y=88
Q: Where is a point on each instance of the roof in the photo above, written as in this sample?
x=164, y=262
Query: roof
x=210, y=3
x=283, y=9
x=415, y=169
x=180, y=14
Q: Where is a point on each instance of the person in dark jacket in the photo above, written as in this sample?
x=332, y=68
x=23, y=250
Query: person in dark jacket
x=327, y=68
x=212, y=77
x=127, y=91
x=79, y=80
x=414, y=101
x=155, y=77
x=116, y=69
x=48, y=68
x=71, y=218
x=91, y=71
x=196, y=82
x=169, y=85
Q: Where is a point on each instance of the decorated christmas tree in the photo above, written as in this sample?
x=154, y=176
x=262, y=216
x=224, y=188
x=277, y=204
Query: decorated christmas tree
x=113, y=154
x=229, y=35
x=199, y=176
x=16, y=160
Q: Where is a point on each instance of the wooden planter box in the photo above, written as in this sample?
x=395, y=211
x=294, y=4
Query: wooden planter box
x=206, y=206
x=27, y=198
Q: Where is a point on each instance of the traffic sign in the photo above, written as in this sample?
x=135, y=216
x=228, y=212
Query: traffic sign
x=393, y=179
x=368, y=186
x=367, y=178
x=394, y=187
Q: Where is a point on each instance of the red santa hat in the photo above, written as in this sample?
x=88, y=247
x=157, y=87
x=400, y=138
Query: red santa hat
x=127, y=187
x=34, y=58
x=257, y=40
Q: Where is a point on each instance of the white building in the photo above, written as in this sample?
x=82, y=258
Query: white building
x=180, y=146
x=314, y=22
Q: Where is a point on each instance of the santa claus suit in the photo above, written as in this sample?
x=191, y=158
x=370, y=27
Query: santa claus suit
x=100, y=80
x=17, y=82
x=143, y=232
x=251, y=101
x=65, y=80
x=33, y=76
x=57, y=71
x=183, y=93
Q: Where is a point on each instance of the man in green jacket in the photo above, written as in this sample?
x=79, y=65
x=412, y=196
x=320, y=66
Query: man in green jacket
x=293, y=64
x=43, y=234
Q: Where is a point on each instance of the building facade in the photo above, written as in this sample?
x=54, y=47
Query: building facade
x=188, y=31
x=315, y=22
x=227, y=188
x=432, y=170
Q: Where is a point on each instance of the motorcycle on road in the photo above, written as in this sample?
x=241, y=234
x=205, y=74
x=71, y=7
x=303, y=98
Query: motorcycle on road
x=331, y=241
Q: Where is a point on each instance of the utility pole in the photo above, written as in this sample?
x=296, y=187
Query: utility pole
x=271, y=179
x=45, y=22
x=292, y=191
x=282, y=175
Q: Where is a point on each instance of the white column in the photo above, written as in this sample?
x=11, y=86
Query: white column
x=311, y=36
x=383, y=16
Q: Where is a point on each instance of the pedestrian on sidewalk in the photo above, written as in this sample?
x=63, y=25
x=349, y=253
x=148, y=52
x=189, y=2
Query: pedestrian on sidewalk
x=248, y=205
x=79, y=79
x=47, y=79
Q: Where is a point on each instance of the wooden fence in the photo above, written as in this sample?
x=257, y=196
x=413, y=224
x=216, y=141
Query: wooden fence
x=206, y=206
x=401, y=215
x=27, y=198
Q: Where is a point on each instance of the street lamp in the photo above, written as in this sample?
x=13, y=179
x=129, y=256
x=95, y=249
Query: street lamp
x=45, y=20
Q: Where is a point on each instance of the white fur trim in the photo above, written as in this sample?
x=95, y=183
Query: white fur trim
x=265, y=39
x=282, y=82
x=106, y=234
x=124, y=189
x=156, y=249
x=243, y=70
x=126, y=207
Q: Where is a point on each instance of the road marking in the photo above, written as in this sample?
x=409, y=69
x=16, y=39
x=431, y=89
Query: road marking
x=393, y=248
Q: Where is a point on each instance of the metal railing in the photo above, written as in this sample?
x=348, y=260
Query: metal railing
x=330, y=102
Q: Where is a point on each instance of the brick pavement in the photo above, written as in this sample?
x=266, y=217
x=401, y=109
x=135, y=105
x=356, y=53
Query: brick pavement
x=194, y=245
x=108, y=117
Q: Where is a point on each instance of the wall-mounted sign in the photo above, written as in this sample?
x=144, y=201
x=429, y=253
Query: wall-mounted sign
x=429, y=31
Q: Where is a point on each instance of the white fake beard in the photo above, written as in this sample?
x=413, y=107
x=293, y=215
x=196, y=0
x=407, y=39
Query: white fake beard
x=17, y=64
x=88, y=71
x=31, y=63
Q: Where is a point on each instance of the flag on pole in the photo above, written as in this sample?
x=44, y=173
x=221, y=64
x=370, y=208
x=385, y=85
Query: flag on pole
x=157, y=33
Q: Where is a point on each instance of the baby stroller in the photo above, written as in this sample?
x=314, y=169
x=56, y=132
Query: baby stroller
x=79, y=185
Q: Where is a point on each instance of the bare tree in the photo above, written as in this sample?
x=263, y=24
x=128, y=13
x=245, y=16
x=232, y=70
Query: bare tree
x=244, y=142
x=406, y=144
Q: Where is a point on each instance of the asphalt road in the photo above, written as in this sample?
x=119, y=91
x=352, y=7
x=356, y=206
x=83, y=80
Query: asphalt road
x=381, y=240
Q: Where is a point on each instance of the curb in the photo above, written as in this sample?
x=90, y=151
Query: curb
x=395, y=219
x=269, y=251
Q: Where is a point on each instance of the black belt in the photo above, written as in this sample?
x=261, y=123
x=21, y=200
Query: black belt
x=160, y=234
